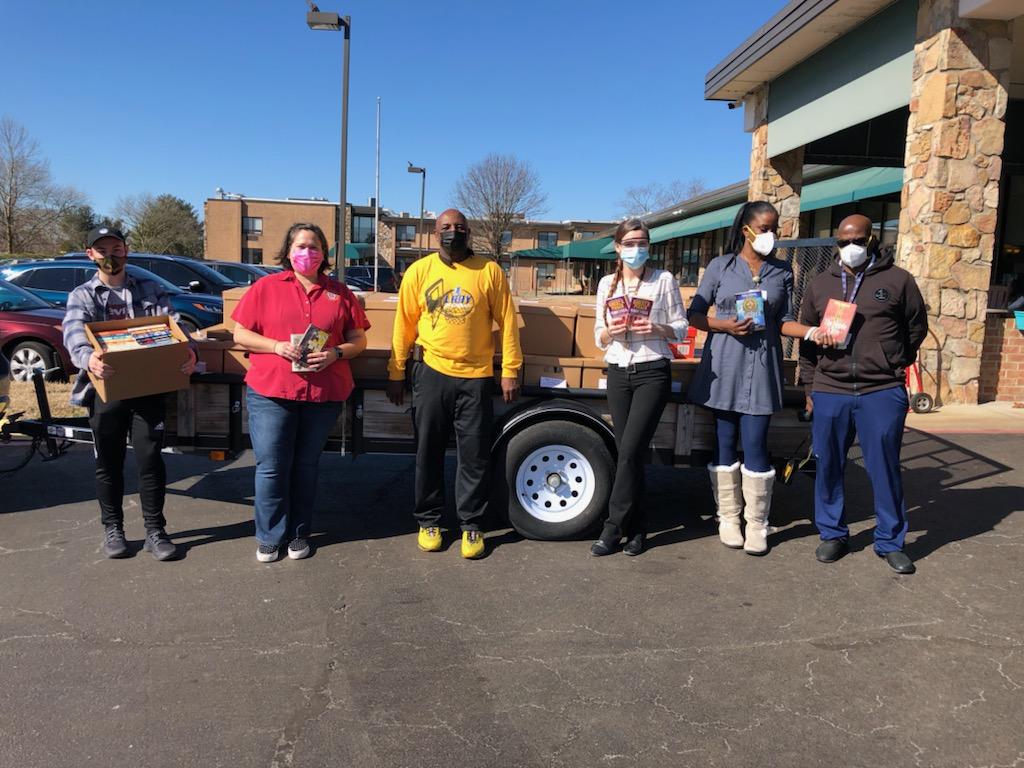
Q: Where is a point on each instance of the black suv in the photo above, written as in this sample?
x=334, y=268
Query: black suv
x=188, y=274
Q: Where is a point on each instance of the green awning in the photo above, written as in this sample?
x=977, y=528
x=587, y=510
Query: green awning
x=353, y=251
x=859, y=185
x=554, y=254
x=587, y=249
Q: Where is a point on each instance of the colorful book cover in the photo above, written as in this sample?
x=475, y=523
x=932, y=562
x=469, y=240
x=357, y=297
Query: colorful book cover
x=312, y=340
x=837, y=321
x=617, y=307
x=640, y=309
x=750, y=306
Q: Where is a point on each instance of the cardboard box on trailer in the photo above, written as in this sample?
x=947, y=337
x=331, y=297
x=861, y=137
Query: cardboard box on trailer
x=140, y=371
x=552, y=371
x=547, y=329
x=231, y=297
x=584, y=337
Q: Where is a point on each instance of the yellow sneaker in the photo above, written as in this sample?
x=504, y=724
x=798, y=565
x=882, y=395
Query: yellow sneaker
x=429, y=539
x=472, y=545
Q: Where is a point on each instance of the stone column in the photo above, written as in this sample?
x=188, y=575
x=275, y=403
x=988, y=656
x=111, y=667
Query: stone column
x=951, y=185
x=779, y=179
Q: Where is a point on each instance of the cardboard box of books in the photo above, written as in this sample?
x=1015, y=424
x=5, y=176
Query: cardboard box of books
x=585, y=346
x=552, y=372
x=546, y=329
x=595, y=374
x=146, y=354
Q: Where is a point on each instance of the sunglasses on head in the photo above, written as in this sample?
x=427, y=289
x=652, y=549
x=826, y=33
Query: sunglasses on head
x=855, y=241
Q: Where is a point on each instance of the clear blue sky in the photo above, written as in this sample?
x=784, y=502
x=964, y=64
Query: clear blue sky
x=185, y=96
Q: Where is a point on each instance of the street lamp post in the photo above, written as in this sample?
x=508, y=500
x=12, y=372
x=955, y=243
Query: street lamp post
x=423, y=192
x=332, y=22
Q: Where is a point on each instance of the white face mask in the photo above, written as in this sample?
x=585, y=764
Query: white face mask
x=853, y=255
x=764, y=243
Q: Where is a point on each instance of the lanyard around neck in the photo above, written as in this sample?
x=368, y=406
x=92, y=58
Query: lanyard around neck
x=857, y=282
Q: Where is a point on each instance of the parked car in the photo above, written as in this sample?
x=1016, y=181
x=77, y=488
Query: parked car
x=31, y=336
x=360, y=277
x=188, y=274
x=53, y=280
x=241, y=274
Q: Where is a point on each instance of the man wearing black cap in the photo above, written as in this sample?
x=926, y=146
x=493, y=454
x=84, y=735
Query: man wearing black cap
x=113, y=294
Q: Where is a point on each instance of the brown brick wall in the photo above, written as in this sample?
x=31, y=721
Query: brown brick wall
x=1002, y=361
x=223, y=226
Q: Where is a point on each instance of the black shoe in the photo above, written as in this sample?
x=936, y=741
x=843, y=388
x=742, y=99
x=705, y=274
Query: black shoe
x=600, y=548
x=898, y=561
x=159, y=544
x=831, y=550
x=634, y=545
x=114, y=544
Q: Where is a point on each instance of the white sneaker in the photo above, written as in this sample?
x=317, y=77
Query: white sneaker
x=266, y=553
x=298, y=549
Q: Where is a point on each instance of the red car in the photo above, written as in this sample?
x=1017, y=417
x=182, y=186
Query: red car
x=30, y=334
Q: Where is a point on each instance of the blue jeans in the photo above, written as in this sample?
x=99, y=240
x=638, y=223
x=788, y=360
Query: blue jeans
x=288, y=437
x=732, y=428
x=877, y=419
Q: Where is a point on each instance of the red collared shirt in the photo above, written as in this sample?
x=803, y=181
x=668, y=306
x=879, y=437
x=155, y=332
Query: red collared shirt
x=277, y=306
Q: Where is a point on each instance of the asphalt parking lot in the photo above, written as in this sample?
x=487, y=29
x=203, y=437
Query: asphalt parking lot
x=374, y=654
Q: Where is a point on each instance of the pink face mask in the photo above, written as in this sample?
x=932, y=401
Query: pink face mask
x=306, y=260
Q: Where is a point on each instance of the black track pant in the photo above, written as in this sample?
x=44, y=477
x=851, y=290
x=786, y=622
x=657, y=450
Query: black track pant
x=439, y=403
x=111, y=424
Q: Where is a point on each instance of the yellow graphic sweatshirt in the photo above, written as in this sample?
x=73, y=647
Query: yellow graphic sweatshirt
x=450, y=312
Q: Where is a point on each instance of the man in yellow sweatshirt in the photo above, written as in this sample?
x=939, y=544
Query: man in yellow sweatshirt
x=447, y=304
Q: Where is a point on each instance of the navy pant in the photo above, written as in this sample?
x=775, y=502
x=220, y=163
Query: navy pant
x=877, y=419
x=287, y=437
x=732, y=428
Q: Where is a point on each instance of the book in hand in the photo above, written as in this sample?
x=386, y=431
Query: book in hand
x=313, y=340
x=837, y=321
x=750, y=306
x=617, y=307
x=640, y=309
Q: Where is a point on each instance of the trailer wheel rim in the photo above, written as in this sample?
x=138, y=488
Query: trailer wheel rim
x=555, y=483
x=24, y=361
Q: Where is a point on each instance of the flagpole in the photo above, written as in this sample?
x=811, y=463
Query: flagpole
x=376, y=209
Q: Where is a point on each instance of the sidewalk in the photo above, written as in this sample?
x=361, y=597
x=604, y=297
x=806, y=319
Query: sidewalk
x=987, y=419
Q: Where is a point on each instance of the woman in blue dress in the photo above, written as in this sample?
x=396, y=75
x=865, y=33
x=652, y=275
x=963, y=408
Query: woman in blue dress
x=740, y=374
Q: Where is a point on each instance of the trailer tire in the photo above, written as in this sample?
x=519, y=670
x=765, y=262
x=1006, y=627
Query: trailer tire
x=559, y=476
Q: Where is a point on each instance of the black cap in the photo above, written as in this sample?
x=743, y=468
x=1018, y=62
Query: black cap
x=98, y=233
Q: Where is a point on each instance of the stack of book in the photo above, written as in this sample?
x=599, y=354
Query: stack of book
x=139, y=337
x=631, y=307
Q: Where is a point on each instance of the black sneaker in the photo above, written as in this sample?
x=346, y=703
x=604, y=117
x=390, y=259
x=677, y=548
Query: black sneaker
x=634, y=545
x=114, y=544
x=601, y=548
x=298, y=549
x=158, y=543
x=266, y=553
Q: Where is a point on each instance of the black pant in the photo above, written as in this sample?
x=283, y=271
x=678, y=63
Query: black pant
x=111, y=423
x=636, y=399
x=440, y=402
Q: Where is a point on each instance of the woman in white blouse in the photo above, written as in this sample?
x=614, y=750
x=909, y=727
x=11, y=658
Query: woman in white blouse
x=639, y=311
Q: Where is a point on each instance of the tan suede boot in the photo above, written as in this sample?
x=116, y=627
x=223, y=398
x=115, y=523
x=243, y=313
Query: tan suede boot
x=757, y=491
x=725, y=482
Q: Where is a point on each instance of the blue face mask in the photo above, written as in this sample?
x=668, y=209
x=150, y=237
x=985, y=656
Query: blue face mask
x=633, y=256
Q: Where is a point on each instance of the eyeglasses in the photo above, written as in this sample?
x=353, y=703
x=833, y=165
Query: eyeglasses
x=638, y=243
x=854, y=241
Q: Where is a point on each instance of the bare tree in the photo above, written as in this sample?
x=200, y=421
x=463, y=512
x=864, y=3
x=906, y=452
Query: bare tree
x=651, y=197
x=31, y=204
x=495, y=193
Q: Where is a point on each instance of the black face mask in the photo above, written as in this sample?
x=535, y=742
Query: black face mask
x=454, y=241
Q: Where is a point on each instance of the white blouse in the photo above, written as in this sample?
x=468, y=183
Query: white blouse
x=661, y=287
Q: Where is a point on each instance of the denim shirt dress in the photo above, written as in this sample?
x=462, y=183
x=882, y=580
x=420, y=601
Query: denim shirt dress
x=742, y=373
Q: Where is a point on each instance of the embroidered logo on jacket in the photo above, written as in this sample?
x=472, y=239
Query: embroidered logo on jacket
x=454, y=306
x=882, y=294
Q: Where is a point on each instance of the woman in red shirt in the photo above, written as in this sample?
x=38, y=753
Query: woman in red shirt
x=291, y=413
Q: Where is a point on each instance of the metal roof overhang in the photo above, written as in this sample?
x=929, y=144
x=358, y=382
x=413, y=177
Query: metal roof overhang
x=800, y=29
